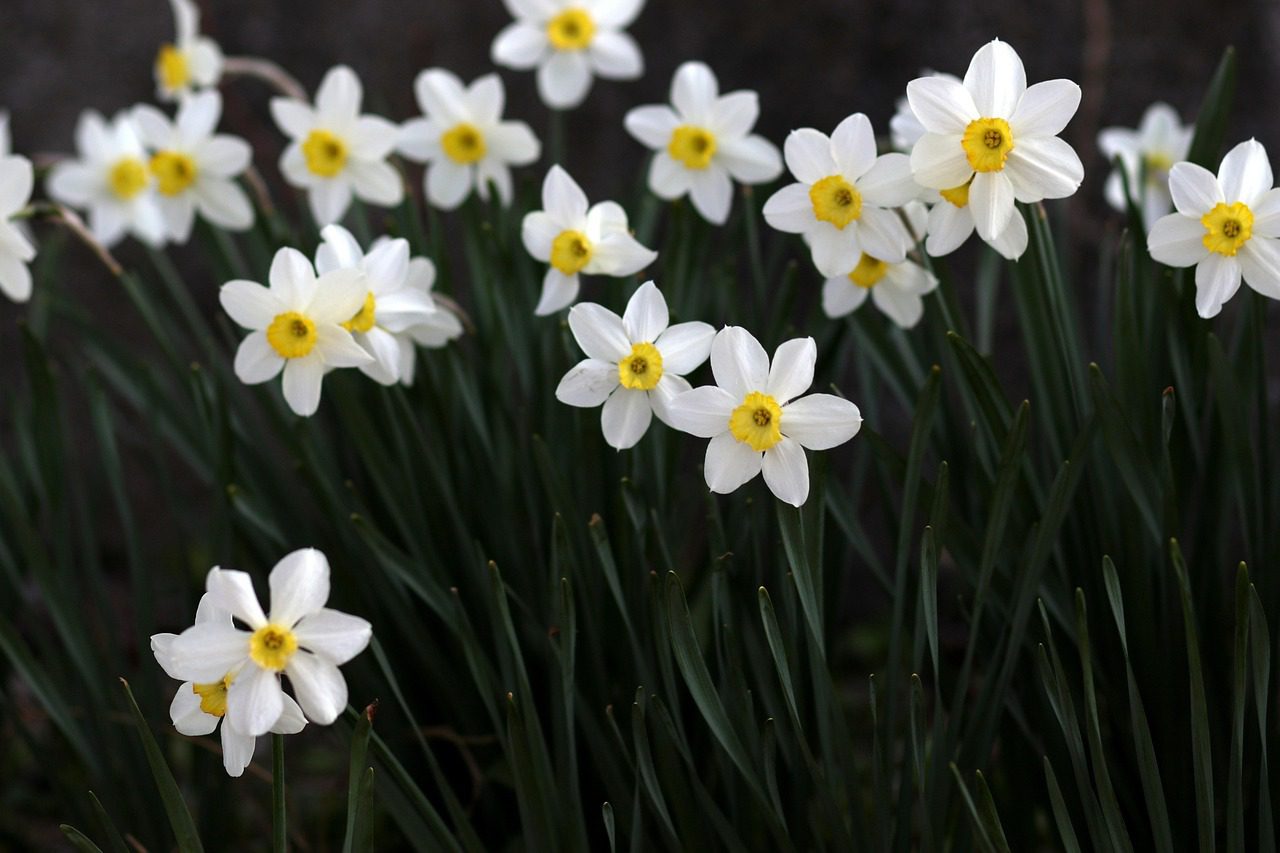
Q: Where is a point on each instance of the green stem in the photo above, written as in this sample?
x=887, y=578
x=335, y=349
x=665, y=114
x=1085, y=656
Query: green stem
x=277, y=793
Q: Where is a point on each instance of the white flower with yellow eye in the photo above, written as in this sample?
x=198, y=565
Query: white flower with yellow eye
x=463, y=139
x=574, y=238
x=16, y=251
x=336, y=151
x=194, y=169
x=434, y=330
x=569, y=41
x=297, y=326
x=198, y=708
x=1228, y=227
x=756, y=419
x=635, y=363
x=705, y=143
x=895, y=288
x=191, y=61
x=300, y=638
x=1146, y=155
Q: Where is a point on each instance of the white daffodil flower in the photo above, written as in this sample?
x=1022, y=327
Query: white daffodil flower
x=110, y=180
x=1227, y=226
x=705, y=143
x=757, y=420
x=896, y=289
x=463, y=139
x=435, y=329
x=197, y=708
x=844, y=196
x=994, y=137
x=301, y=638
x=635, y=363
x=569, y=42
x=194, y=169
x=16, y=251
x=297, y=326
x=574, y=238
x=191, y=61
x=335, y=151
x=389, y=308
x=1146, y=155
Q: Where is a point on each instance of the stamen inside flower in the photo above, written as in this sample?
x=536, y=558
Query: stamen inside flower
x=987, y=143
x=641, y=369
x=128, y=177
x=572, y=29
x=868, y=272
x=692, y=146
x=1227, y=227
x=835, y=200
x=571, y=251
x=213, y=696
x=174, y=171
x=463, y=143
x=757, y=422
x=172, y=67
x=364, y=318
x=325, y=153
x=291, y=335
x=271, y=646
x=958, y=196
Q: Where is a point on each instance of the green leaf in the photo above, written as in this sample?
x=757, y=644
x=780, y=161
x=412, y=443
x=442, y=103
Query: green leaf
x=1201, y=746
x=78, y=839
x=184, y=828
x=356, y=805
x=1215, y=111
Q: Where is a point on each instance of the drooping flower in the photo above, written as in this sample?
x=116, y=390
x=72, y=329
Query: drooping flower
x=1227, y=226
x=300, y=638
x=705, y=143
x=191, y=61
x=463, y=139
x=296, y=326
x=1146, y=155
x=635, y=363
x=194, y=169
x=896, y=289
x=198, y=708
x=16, y=251
x=110, y=180
x=574, y=238
x=435, y=330
x=569, y=41
x=756, y=419
x=335, y=151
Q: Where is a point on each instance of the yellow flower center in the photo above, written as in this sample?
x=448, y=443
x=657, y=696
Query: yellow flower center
x=571, y=251
x=325, y=153
x=213, y=696
x=692, y=146
x=271, y=646
x=1156, y=162
x=291, y=334
x=987, y=143
x=835, y=200
x=128, y=177
x=172, y=68
x=641, y=369
x=174, y=171
x=958, y=196
x=757, y=422
x=1227, y=228
x=868, y=272
x=363, y=319
x=572, y=29
x=463, y=143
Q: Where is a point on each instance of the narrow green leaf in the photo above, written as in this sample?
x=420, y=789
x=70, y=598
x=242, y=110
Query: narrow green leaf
x=1201, y=747
x=355, y=773
x=184, y=828
x=606, y=814
x=1239, y=687
x=78, y=839
x=1062, y=817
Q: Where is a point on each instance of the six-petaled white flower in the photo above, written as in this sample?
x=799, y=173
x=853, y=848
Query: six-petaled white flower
x=1146, y=155
x=191, y=61
x=16, y=251
x=435, y=329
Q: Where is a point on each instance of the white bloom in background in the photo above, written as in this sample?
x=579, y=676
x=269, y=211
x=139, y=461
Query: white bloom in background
x=574, y=238
x=194, y=169
x=844, y=196
x=1227, y=227
x=110, y=180
x=197, y=708
x=705, y=143
x=905, y=129
x=191, y=61
x=951, y=222
x=16, y=251
x=463, y=139
x=754, y=419
x=995, y=135
x=569, y=41
x=335, y=151
x=435, y=329
x=300, y=638
x=297, y=326
x=1146, y=155
x=6, y=144
x=389, y=308
x=635, y=363
x=895, y=288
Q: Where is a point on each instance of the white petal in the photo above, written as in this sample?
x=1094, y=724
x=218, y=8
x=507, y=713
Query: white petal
x=256, y=360
x=338, y=98
x=1043, y=167
x=254, y=700
x=646, y=316
x=615, y=56
x=854, y=145
x=205, y=653
x=898, y=304
x=840, y=296
x=942, y=104
x=790, y=209
x=835, y=250
x=791, y=373
x=939, y=162
x=652, y=126
x=15, y=279
x=751, y=159
x=888, y=181
x=539, y=231
x=333, y=635
x=338, y=347
x=711, y=191
x=599, y=332
x=619, y=254
x=821, y=421
x=616, y=14
x=559, y=291
x=703, y=411
x=338, y=295
x=1194, y=189
x=384, y=365
x=447, y=184
x=991, y=201
x=733, y=115
x=1177, y=241
x=520, y=45
x=684, y=347
x=1012, y=241
x=625, y=418
x=589, y=383
x=299, y=585
x=949, y=227
x=73, y=183
x=419, y=140
x=493, y=174
x=1217, y=280
x=564, y=79
x=340, y=250
x=198, y=116
x=996, y=79
x=786, y=472
x=1045, y=109
x=154, y=127
x=302, y=380
x=514, y=143
x=318, y=685
x=329, y=199
x=668, y=179
x=1266, y=214
x=562, y=198
x=233, y=591
x=665, y=392
x=809, y=156
x=224, y=204
x=186, y=714
x=237, y=750
x=693, y=92
x=291, y=719
x=1260, y=263
x=405, y=308
x=250, y=304
x=486, y=98
x=738, y=362
x=294, y=118
x=376, y=182
x=293, y=165
x=1245, y=173
x=882, y=235
x=729, y=463
x=372, y=138
x=387, y=266
x=441, y=96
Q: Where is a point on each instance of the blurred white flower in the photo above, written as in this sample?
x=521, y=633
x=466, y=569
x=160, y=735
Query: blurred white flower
x=895, y=288
x=435, y=330
x=705, y=143
x=335, y=151
x=191, y=61
x=754, y=419
x=463, y=139
x=1146, y=155
x=16, y=251
x=297, y=326
x=574, y=238
x=1226, y=226
x=569, y=41
x=904, y=128
x=635, y=363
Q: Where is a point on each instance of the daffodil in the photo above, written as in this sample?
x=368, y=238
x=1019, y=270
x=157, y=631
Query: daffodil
x=702, y=143
x=191, y=61
x=895, y=288
x=574, y=238
x=635, y=363
x=993, y=139
x=198, y=708
x=297, y=326
x=1146, y=155
x=463, y=139
x=111, y=180
x=434, y=330
x=844, y=197
x=1227, y=226
x=16, y=251
x=299, y=638
x=756, y=419
x=569, y=42
x=335, y=151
